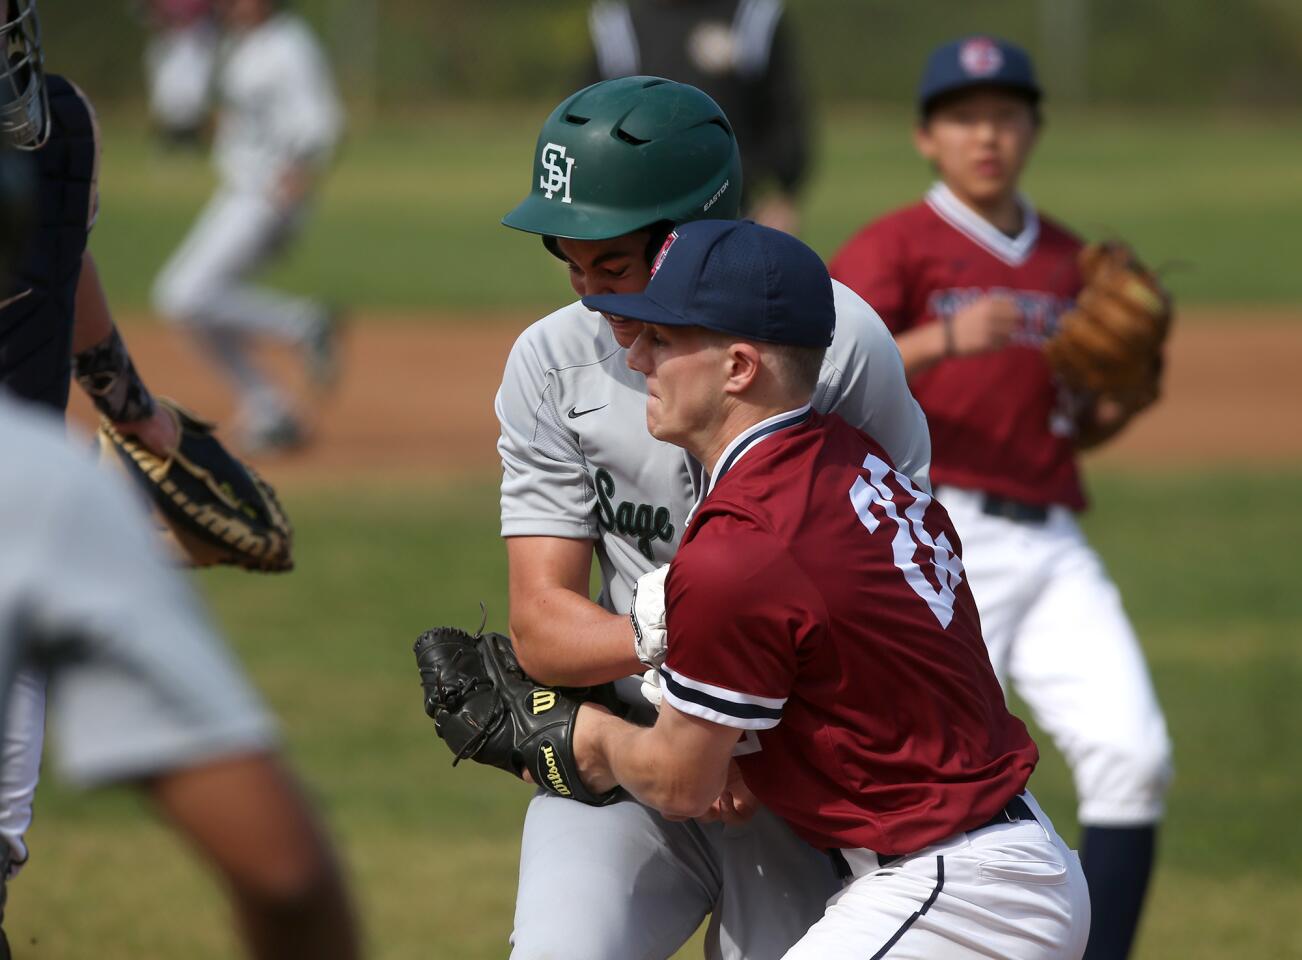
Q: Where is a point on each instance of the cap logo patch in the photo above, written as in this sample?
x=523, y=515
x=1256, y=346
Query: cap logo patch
x=557, y=177
x=664, y=248
x=980, y=57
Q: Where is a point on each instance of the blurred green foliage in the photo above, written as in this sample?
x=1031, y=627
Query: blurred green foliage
x=409, y=219
x=416, y=51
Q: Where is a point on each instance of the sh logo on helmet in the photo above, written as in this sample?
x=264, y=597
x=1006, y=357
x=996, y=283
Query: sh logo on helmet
x=556, y=178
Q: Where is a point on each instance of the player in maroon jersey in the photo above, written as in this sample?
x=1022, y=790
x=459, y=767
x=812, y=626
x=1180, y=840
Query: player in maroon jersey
x=821, y=632
x=972, y=282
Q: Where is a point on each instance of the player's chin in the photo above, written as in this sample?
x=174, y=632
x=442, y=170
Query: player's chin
x=654, y=416
x=625, y=331
x=989, y=184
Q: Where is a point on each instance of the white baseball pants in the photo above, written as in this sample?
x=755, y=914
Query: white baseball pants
x=1011, y=890
x=1055, y=628
x=204, y=288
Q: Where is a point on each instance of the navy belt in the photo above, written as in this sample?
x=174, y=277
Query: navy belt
x=1016, y=809
x=1014, y=510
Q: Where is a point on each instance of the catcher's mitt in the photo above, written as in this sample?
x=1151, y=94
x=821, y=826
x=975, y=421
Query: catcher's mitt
x=216, y=508
x=1111, y=342
x=487, y=709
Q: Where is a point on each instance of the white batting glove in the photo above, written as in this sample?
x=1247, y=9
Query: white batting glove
x=651, y=688
x=647, y=612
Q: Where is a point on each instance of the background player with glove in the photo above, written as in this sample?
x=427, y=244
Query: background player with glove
x=617, y=166
x=974, y=283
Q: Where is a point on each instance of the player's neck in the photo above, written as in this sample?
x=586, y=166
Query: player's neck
x=738, y=420
x=1004, y=212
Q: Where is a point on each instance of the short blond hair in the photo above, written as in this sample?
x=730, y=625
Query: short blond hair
x=797, y=367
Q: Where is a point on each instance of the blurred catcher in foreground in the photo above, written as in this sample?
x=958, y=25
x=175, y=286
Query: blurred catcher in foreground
x=55, y=324
x=141, y=689
x=143, y=692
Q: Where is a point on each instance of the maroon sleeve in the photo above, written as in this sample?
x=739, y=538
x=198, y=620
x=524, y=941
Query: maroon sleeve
x=737, y=608
x=872, y=265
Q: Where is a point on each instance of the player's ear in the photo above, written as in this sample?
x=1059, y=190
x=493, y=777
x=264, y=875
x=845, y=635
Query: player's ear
x=742, y=362
x=923, y=141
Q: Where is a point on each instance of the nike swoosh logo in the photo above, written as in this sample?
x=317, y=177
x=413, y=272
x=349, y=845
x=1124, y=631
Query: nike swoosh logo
x=575, y=413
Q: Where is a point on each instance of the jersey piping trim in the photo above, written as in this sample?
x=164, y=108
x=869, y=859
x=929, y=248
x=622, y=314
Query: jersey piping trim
x=719, y=704
x=611, y=26
x=744, y=441
x=1013, y=251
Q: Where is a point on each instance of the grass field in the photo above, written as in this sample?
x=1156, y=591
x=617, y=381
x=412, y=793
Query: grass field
x=410, y=217
x=1202, y=561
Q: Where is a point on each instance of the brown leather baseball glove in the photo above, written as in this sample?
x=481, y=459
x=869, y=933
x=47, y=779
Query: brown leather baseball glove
x=1111, y=343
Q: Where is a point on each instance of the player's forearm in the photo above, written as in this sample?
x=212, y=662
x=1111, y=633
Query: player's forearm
x=105, y=371
x=923, y=347
x=646, y=763
x=563, y=638
x=92, y=320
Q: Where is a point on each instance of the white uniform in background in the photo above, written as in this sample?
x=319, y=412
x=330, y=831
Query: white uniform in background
x=138, y=681
x=578, y=463
x=280, y=118
x=179, y=64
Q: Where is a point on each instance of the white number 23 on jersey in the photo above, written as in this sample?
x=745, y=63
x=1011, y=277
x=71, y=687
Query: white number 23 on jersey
x=912, y=545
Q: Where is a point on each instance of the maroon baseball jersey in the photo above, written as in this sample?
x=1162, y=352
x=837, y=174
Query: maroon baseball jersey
x=1000, y=421
x=818, y=602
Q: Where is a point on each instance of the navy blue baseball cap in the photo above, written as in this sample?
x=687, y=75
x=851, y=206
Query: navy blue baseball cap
x=977, y=61
x=736, y=277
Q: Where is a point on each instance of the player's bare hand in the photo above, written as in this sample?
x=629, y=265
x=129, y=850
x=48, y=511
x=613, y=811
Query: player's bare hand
x=985, y=324
x=736, y=804
x=159, y=432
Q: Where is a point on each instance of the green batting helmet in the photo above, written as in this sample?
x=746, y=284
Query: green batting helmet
x=623, y=154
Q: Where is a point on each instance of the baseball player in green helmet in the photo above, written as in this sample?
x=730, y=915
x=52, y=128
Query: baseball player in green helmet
x=658, y=151
x=617, y=167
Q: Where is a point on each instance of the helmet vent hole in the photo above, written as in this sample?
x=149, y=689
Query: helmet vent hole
x=629, y=138
x=576, y=120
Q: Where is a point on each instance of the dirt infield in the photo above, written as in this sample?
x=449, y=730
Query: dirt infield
x=416, y=401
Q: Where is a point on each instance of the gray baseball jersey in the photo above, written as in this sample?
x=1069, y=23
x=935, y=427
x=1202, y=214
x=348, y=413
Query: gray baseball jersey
x=138, y=681
x=578, y=462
